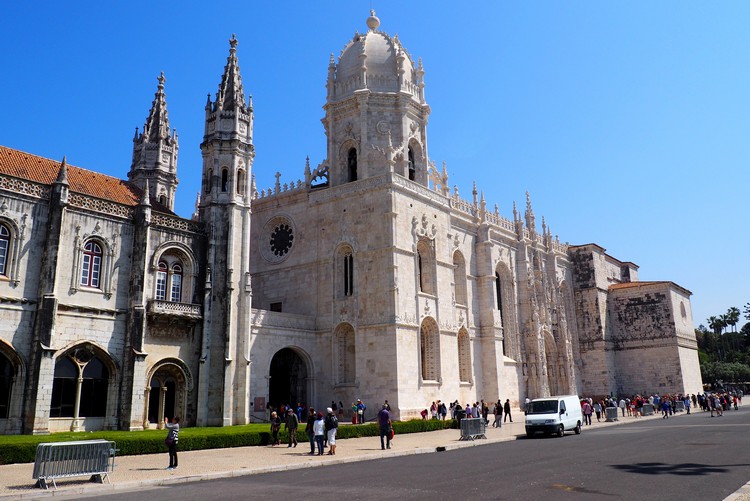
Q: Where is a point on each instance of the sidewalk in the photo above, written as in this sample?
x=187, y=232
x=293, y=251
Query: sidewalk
x=133, y=472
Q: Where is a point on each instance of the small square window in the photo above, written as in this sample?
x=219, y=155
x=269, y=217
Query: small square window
x=276, y=307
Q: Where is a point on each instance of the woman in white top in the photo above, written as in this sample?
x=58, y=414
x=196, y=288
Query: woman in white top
x=319, y=430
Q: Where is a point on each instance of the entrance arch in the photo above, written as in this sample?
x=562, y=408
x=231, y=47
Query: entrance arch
x=167, y=393
x=288, y=378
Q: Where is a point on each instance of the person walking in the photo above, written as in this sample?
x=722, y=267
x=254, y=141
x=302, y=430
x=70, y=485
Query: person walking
x=331, y=425
x=275, y=427
x=598, y=410
x=291, y=424
x=506, y=410
x=319, y=428
x=586, y=409
x=498, y=423
x=385, y=423
x=309, y=429
x=171, y=441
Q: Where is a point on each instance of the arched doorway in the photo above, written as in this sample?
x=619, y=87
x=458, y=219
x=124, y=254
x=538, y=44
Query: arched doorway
x=288, y=379
x=166, y=394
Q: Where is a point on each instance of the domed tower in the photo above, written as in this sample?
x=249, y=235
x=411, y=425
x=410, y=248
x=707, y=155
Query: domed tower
x=376, y=115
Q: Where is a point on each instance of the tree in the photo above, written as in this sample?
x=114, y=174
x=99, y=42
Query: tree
x=732, y=317
x=746, y=311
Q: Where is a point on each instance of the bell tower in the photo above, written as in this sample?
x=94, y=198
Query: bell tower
x=224, y=208
x=376, y=114
x=154, y=162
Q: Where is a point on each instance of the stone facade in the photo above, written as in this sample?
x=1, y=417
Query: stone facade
x=367, y=279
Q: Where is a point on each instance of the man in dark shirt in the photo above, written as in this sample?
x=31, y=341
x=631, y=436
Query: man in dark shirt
x=384, y=420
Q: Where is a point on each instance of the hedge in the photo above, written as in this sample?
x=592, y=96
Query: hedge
x=22, y=448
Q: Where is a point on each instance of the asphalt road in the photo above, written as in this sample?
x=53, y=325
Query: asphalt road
x=692, y=457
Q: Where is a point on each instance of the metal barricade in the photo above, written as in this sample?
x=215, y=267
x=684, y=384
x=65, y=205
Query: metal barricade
x=73, y=459
x=611, y=414
x=472, y=429
x=648, y=410
x=679, y=406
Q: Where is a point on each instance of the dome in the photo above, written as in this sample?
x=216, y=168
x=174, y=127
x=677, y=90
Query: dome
x=382, y=56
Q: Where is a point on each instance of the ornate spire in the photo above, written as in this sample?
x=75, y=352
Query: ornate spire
x=231, y=93
x=62, y=176
x=157, y=123
x=530, y=218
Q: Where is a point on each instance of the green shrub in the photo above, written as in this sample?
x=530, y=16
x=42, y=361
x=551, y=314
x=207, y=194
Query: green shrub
x=22, y=448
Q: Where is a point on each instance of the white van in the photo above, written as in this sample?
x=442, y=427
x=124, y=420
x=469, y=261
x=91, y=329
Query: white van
x=554, y=415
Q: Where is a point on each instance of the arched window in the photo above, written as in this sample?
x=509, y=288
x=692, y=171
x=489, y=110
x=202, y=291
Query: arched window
x=169, y=278
x=207, y=181
x=93, y=387
x=351, y=163
x=459, y=278
x=345, y=354
x=92, y=265
x=240, y=182
x=4, y=249
x=429, y=347
x=161, y=281
x=224, y=180
x=163, y=200
x=464, y=357
x=425, y=267
x=79, y=377
x=64, y=388
x=348, y=273
x=412, y=165
x=176, y=283
x=499, y=293
x=6, y=385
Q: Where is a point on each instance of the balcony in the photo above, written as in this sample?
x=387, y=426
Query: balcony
x=168, y=311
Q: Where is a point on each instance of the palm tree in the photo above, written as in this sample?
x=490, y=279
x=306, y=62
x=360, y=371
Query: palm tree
x=732, y=317
x=717, y=324
x=746, y=311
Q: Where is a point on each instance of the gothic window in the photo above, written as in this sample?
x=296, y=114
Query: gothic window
x=79, y=377
x=425, y=267
x=4, y=249
x=499, y=294
x=163, y=200
x=429, y=347
x=459, y=278
x=169, y=280
x=345, y=350
x=161, y=281
x=464, y=357
x=207, y=181
x=176, y=282
x=92, y=265
x=351, y=163
x=345, y=272
x=412, y=165
x=6, y=385
x=241, y=182
x=224, y=180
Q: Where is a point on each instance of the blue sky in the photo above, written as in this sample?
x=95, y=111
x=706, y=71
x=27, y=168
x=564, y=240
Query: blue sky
x=628, y=122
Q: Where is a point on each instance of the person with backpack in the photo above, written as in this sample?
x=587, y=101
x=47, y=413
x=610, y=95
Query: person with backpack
x=331, y=425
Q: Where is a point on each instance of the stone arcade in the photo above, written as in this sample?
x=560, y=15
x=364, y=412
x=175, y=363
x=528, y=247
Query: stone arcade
x=367, y=279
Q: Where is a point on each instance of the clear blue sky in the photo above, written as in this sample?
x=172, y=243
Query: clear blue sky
x=628, y=122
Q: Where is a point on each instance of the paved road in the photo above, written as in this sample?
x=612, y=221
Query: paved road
x=695, y=457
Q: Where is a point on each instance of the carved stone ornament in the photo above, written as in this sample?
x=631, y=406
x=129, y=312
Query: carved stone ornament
x=383, y=127
x=423, y=229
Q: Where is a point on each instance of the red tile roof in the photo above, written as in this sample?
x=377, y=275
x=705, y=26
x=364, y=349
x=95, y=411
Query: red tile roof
x=43, y=170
